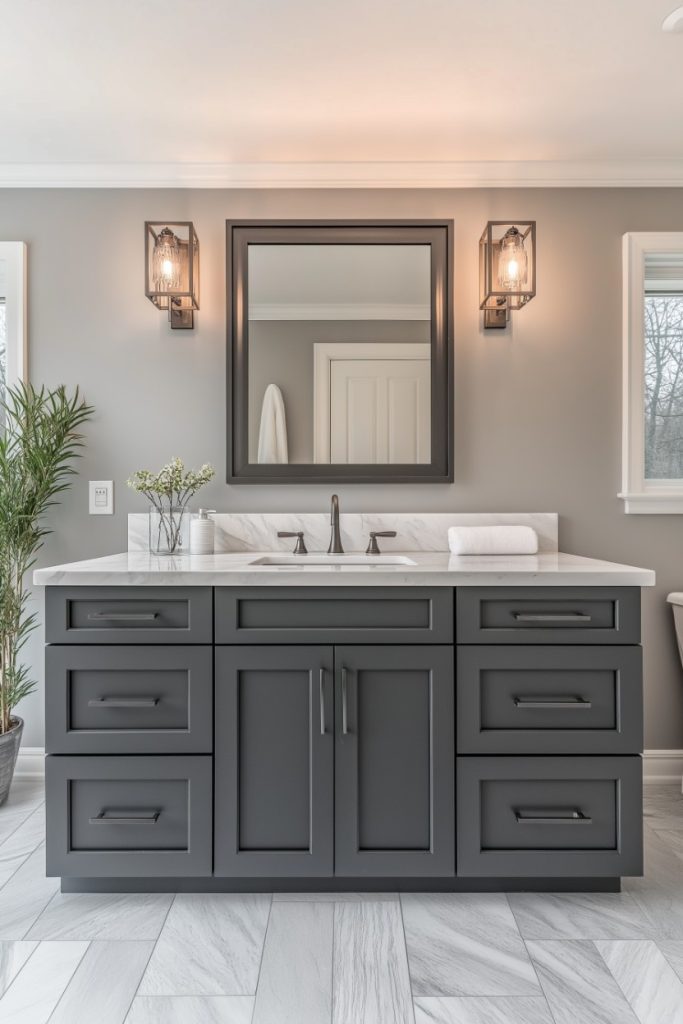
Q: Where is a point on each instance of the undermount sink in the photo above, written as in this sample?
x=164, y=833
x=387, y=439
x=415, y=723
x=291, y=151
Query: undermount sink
x=306, y=561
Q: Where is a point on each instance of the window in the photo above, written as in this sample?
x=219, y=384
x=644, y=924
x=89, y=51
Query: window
x=653, y=373
x=12, y=316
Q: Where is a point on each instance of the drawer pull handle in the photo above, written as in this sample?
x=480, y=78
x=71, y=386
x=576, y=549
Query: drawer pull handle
x=345, y=703
x=123, y=702
x=547, y=704
x=571, y=817
x=123, y=616
x=104, y=818
x=551, y=617
x=322, y=701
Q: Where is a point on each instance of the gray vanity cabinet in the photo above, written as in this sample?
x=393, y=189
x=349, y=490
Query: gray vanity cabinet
x=311, y=783
x=394, y=763
x=274, y=786
x=283, y=738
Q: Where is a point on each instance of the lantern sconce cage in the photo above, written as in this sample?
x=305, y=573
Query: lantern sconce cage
x=507, y=269
x=172, y=270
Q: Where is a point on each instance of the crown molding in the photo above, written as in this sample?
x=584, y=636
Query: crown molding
x=426, y=174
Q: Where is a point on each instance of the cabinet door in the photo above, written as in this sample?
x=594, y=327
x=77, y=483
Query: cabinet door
x=394, y=761
x=273, y=811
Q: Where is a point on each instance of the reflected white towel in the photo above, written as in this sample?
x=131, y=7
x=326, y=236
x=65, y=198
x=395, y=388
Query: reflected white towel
x=272, y=438
x=492, y=540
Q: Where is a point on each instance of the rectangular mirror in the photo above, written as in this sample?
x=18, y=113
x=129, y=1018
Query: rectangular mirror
x=340, y=351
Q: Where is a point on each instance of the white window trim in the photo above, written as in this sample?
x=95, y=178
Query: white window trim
x=13, y=254
x=641, y=496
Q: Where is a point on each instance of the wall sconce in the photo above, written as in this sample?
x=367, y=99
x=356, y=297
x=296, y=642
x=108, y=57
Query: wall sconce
x=172, y=270
x=507, y=269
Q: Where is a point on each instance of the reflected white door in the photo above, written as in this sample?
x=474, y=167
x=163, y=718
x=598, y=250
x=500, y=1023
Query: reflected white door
x=377, y=409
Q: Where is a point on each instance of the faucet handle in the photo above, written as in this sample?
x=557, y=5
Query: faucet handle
x=373, y=546
x=300, y=548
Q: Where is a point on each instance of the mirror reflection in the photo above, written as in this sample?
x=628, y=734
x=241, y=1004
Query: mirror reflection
x=339, y=364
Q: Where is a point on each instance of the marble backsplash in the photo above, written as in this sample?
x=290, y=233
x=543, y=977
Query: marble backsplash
x=415, y=531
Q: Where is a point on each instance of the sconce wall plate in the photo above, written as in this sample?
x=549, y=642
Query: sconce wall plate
x=172, y=270
x=507, y=269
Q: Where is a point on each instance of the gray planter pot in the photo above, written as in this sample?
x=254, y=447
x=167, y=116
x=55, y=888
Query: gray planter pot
x=9, y=748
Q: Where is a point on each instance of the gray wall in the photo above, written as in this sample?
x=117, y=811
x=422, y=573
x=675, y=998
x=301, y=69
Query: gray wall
x=537, y=409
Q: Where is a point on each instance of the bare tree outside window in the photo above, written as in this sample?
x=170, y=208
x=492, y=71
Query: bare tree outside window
x=664, y=386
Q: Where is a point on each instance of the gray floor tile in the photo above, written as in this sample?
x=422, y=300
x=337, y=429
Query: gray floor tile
x=646, y=978
x=482, y=1010
x=371, y=982
x=673, y=839
x=577, y=984
x=295, y=982
x=13, y=956
x=191, y=1010
x=25, y=796
x=37, y=988
x=102, y=916
x=332, y=897
x=209, y=945
x=579, y=916
x=673, y=951
x=104, y=984
x=21, y=844
x=25, y=897
x=465, y=945
x=659, y=894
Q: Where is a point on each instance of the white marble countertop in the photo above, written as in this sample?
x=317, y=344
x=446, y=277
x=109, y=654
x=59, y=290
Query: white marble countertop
x=431, y=568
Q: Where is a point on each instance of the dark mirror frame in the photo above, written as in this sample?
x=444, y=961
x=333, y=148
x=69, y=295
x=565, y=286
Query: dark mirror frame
x=438, y=234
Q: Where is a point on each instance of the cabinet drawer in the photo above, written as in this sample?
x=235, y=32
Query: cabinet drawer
x=549, y=700
x=128, y=816
x=549, y=816
x=128, y=615
x=548, y=615
x=128, y=700
x=325, y=615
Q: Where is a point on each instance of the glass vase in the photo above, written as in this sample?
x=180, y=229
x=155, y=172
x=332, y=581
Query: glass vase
x=169, y=530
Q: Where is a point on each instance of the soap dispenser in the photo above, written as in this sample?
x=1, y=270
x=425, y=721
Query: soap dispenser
x=202, y=530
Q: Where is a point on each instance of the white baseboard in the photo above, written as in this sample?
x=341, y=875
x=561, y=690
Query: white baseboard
x=30, y=763
x=658, y=765
x=663, y=766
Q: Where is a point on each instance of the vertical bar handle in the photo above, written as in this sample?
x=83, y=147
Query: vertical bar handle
x=322, y=701
x=345, y=702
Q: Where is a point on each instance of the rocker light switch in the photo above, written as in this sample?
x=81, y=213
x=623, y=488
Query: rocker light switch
x=101, y=498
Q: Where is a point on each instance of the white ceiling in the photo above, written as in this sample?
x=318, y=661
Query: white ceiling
x=229, y=84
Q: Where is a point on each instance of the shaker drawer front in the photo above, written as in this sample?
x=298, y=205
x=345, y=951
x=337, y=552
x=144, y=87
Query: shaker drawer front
x=549, y=700
x=129, y=816
x=128, y=615
x=549, y=816
x=129, y=700
x=548, y=615
x=339, y=615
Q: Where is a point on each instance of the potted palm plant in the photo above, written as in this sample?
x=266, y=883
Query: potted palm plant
x=39, y=442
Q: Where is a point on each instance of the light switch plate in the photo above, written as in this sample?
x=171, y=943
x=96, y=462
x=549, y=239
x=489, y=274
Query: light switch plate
x=101, y=498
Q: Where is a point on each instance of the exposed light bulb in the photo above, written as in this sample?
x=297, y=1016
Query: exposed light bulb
x=166, y=262
x=512, y=262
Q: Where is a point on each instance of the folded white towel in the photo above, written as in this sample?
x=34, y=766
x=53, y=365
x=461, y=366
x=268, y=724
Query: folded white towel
x=492, y=540
x=272, y=441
